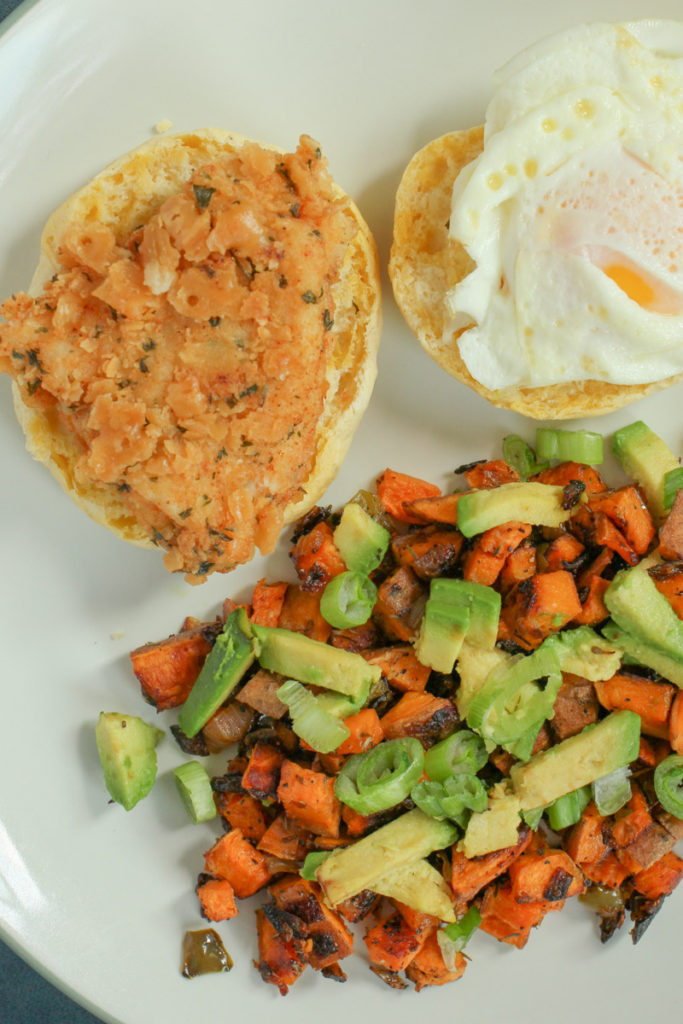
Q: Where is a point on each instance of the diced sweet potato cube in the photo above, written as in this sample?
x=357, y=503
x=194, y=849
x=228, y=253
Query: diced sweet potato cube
x=400, y=667
x=266, y=603
x=301, y=613
x=216, y=898
x=420, y=715
x=330, y=939
x=242, y=811
x=400, y=604
x=576, y=706
x=392, y=943
x=316, y=557
x=661, y=878
x=427, y=966
x=233, y=858
x=308, y=797
x=168, y=670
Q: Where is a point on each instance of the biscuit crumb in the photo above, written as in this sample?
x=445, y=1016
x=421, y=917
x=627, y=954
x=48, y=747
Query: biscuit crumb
x=163, y=126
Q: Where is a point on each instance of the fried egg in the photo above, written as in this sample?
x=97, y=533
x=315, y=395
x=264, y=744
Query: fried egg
x=573, y=214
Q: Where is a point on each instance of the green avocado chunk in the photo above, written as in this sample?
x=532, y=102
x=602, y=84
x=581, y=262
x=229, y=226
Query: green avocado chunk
x=644, y=654
x=442, y=632
x=126, y=746
x=226, y=663
x=403, y=841
x=361, y=540
x=595, y=751
x=532, y=502
x=646, y=458
x=639, y=609
x=311, y=661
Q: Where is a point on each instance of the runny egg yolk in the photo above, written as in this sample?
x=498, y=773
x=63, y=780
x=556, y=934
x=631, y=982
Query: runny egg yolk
x=628, y=222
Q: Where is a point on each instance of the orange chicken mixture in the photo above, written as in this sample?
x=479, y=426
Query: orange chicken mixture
x=189, y=359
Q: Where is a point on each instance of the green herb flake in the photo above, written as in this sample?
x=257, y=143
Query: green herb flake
x=42, y=330
x=282, y=170
x=328, y=320
x=222, y=454
x=34, y=359
x=202, y=195
x=123, y=486
x=17, y=355
x=295, y=209
x=204, y=567
x=282, y=283
x=185, y=513
x=310, y=297
x=144, y=368
x=33, y=385
x=214, y=321
x=148, y=345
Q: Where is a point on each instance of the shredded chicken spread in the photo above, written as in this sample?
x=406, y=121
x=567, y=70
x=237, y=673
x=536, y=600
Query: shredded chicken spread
x=189, y=359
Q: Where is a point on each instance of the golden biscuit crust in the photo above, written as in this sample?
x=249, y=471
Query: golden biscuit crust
x=126, y=194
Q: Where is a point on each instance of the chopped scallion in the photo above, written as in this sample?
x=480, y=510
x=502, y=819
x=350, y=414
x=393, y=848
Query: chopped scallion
x=194, y=786
x=348, y=600
x=569, y=445
x=671, y=485
x=669, y=784
x=567, y=809
x=612, y=791
x=319, y=728
x=381, y=778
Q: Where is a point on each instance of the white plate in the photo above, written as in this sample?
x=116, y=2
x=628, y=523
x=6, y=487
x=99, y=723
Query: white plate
x=100, y=898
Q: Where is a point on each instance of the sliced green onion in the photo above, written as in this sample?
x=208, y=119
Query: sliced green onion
x=312, y=863
x=381, y=778
x=322, y=730
x=567, y=809
x=520, y=455
x=671, y=485
x=518, y=696
x=194, y=786
x=612, y=791
x=533, y=818
x=454, y=937
x=449, y=799
x=463, y=751
x=348, y=600
x=669, y=784
x=569, y=445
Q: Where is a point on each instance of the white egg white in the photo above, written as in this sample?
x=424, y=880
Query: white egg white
x=573, y=214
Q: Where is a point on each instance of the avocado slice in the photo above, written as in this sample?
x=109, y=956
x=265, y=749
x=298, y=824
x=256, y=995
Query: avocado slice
x=483, y=602
x=595, y=751
x=474, y=667
x=311, y=661
x=531, y=502
x=646, y=458
x=361, y=540
x=126, y=746
x=421, y=887
x=496, y=827
x=402, y=841
x=225, y=665
x=584, y=653
x=642, y=653
x=441, y=635
x=638, y=608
